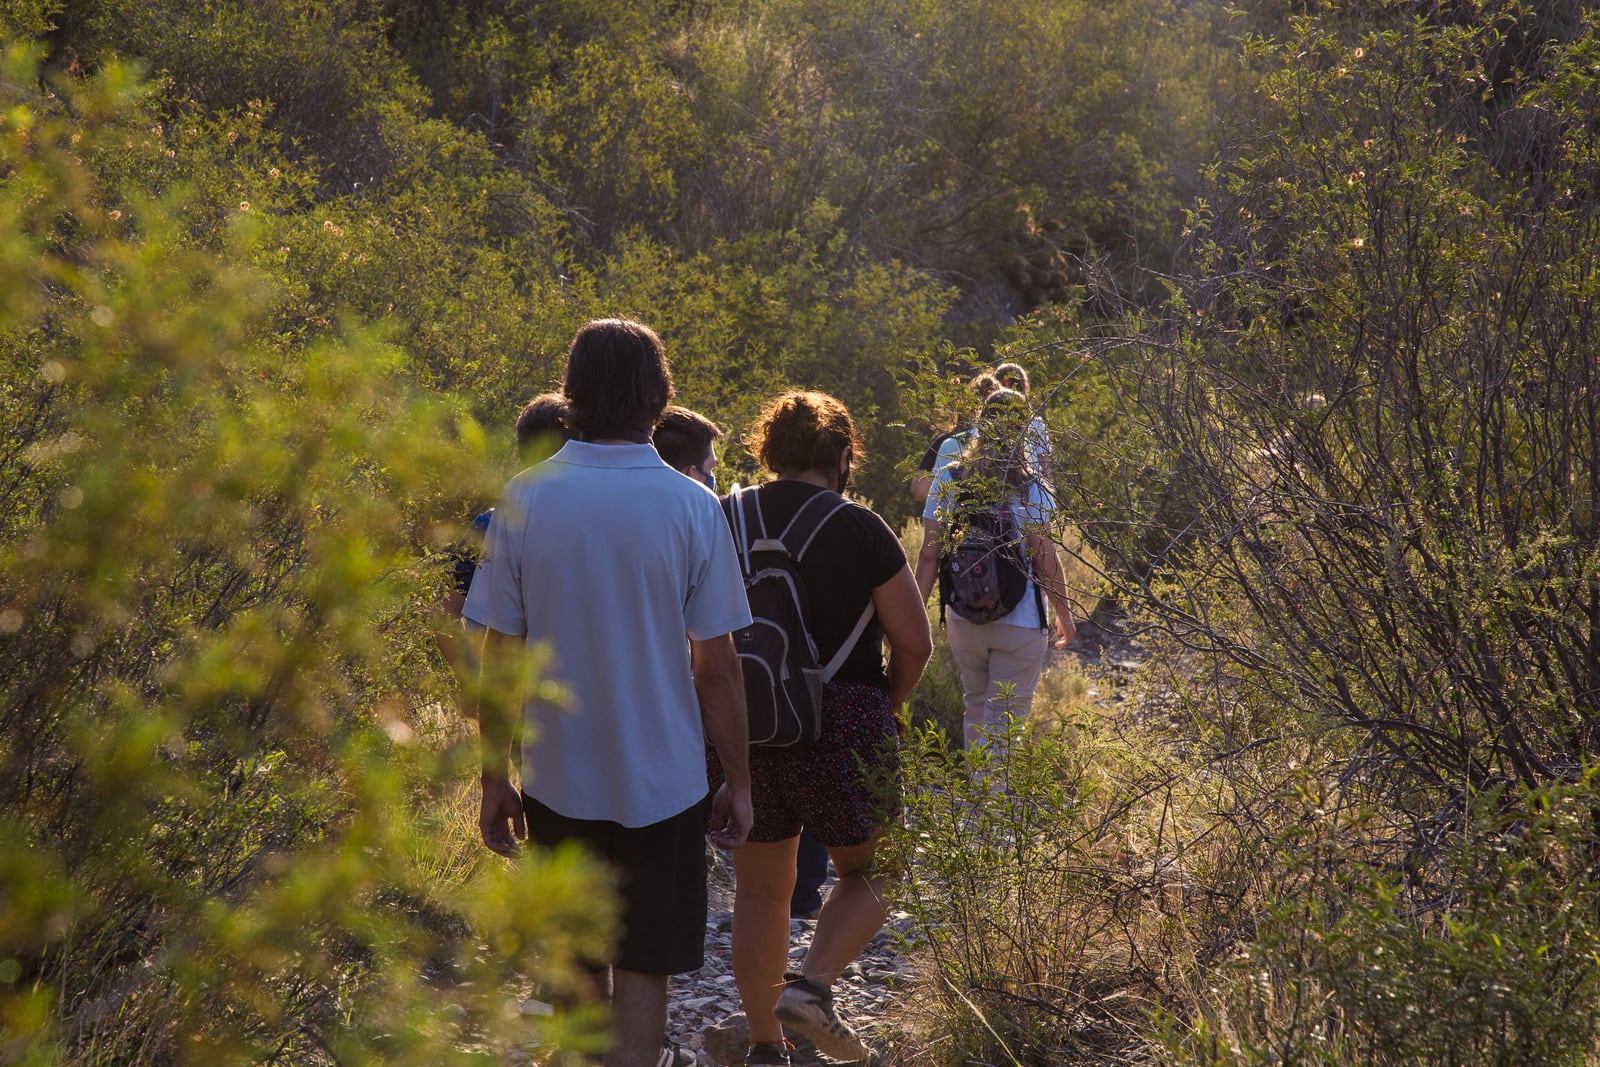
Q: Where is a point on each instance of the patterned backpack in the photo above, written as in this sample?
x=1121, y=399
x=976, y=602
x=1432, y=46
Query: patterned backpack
x=984, y=575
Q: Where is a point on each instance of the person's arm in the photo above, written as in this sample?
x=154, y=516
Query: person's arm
x=500, y=818
x=903, y=614
x=1053, y=580
x=928, y=559
x=444, y=620
x=720, y=686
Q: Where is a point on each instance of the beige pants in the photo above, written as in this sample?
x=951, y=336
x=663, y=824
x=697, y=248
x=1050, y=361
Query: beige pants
x=988, y=658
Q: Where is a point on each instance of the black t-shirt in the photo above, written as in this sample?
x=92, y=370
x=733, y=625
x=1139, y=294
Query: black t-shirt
x=853, y=554
x=931, y=456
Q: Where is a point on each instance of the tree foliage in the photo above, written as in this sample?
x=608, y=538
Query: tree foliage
x=269, y=312
x=1381, y=397
x=1371, y=548
x=223, y=827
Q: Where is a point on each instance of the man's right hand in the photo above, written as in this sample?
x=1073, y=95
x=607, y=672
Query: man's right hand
x=500, y=819
x=731, y=817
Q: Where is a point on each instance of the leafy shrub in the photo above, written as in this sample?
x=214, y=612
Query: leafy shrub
x=1486, y=957
x=1042, y=877
x=1378, y=391
x=221, y=828
x=1375, y=394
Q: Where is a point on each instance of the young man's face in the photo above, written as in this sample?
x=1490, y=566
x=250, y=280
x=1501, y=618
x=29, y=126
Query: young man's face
x=703, y=470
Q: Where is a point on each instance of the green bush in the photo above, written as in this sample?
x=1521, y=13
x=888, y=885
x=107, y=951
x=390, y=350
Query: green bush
x=1486, y=956
x=224, y=807
x=1042, y=877
x=1376, y=392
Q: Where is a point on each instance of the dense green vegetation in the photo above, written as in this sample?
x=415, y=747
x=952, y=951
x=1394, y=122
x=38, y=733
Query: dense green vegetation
x=1309, y=295
x=789, y=192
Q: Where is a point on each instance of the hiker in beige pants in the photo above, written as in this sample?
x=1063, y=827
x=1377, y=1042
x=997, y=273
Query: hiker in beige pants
x=990, y=658
x=1009, y=650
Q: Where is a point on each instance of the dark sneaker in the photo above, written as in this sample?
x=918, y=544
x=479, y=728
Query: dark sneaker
x=805, y=907
x=768, y=1054
x=673, y=1055
x=807, y=1006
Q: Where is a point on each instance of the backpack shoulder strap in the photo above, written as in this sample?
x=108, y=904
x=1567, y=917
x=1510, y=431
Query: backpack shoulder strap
x=744, y=515
x=849, y=643
x=753, y=527
x=809, y=520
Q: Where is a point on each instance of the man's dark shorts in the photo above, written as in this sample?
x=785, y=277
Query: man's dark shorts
x=661, y=877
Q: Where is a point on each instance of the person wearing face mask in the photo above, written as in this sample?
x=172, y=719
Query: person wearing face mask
x=687, y=442
x=833, y=788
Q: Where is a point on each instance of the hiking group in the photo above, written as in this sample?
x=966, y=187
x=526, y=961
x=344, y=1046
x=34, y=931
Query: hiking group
x=722, y=667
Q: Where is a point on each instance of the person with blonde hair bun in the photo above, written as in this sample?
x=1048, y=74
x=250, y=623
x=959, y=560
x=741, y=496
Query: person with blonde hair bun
x=999, y=658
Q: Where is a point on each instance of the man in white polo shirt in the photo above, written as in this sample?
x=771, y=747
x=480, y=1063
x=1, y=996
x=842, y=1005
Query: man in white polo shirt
x=617, y=562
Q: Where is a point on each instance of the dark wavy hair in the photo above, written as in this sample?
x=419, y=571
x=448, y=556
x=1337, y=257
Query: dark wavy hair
x=982, y=386
x=544, y=419
x=1012, y=376
x=683, y=437
x=799, y=432
x=618, y=379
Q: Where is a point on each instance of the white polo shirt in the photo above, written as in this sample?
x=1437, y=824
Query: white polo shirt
x=615, y=560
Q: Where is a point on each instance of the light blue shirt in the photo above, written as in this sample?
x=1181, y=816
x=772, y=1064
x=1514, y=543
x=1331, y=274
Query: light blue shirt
x=1031, y=513
x=615, y=561
x=950, y=450
x=1036, y=441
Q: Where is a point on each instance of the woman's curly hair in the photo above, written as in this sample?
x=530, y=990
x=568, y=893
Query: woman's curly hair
x=803, y=431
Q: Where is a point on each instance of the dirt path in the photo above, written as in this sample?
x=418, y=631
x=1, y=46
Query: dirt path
x=703, y=1012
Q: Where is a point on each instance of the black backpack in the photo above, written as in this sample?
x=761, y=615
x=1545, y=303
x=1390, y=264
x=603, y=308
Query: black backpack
x=984, y=575
x=783, y=677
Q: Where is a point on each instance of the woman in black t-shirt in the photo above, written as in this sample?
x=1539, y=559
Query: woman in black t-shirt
x=982, y=385
x=809, y=442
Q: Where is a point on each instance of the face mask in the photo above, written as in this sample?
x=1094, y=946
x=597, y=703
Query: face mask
x=844, y=475
x=711, y=480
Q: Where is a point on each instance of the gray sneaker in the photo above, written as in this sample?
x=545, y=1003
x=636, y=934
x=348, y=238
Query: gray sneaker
x=807, y=1006
x=674, y=1055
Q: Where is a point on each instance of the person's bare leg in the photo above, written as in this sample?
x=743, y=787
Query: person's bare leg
x=638, y=1018
x=763, y=883
x=851, y=915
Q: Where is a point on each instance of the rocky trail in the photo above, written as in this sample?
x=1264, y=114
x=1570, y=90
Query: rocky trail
x=703, y=1012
